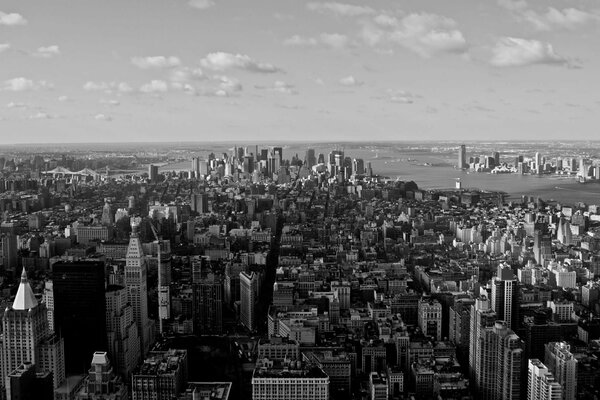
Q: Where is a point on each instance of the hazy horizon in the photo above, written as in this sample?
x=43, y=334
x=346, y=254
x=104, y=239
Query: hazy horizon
x=189, y=70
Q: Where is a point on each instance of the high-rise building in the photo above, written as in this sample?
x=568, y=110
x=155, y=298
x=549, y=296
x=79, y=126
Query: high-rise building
x=121, y=331
x=108, y=213
x=310, y=159
x=462, y=157
x=430, y=318
x=136, y=271
x=482, y=317
x=9, y=251
x=80, y=310
x=102, y=383
x=497, y=372
x=27, y=338
x=208, y=305
x=153, y=173
x=162, y=376
x=48, y=299
x=541, y=384
x=358, y=166
x=248, y=299
x=505, y=292
x=563, y=365
x=25, y=383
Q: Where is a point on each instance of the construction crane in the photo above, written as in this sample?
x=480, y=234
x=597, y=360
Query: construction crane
x=164, y=295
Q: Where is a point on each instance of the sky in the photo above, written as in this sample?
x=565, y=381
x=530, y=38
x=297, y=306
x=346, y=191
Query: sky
x=293, y=70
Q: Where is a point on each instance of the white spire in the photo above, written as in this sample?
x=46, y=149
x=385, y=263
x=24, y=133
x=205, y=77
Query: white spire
x=25, y=298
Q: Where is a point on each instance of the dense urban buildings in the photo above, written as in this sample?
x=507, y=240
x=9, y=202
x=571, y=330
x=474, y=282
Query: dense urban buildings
x=257, y=272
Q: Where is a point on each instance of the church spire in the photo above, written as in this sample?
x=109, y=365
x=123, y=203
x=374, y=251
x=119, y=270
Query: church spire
x=25, y=299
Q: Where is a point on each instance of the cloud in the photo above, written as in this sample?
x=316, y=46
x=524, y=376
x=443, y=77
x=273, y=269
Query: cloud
x=154, y=86
x=110, y=102
x=63, y=99
x=340, y=9
x=516, y=52
x=221, y=61
x=401, y=96
x=350, y=81
x=186, y=74
x=102, y=117
x=107, y=87
x=23, y=84
x=229, y=85
x=41, y=115
x=12, y=19
x=280, y=87
x=4, y=47
x=156, y=62
x=552, y=19
x=513, y=5
x=13, y=104
x=427, y=34
x=298, y=40
x=423, y=33
x=332, y=40
x=46, y=52
x=568, y=18
x=201, y=4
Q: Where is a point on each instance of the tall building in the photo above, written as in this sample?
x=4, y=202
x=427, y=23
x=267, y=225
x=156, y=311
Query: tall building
x=48, y=299
x=430, y=318
x=482, y=317
x=162, y=376
x=497, y=376
x=563, y=365
x=121, y=331
x=248, y=298
x=310, y=159
x=102, y=383
x=9, y=251
x=505, y=292
x=153, y=173
x=25, y=383
x=136, y=271
x=27, y=338
x=462, y=157
x=541, y=384
x=80, y=310
x=208, y=305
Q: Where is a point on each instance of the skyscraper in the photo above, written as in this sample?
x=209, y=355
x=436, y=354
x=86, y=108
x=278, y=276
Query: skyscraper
x=208, y=304
x=541, y=384
x=430, y=318
x=136, y=271
x=27, y=338
x=80, y=310
x=121, y=331
x=101, y=382
x=504, y=296
x=248, y=298
x=497, y=360
x=563, y=365
x=462, y=157
x=310, y=159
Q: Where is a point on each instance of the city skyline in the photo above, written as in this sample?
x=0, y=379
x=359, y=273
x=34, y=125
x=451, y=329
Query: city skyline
x=204, y=70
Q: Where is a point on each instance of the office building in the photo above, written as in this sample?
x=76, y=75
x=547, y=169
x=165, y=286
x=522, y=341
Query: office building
x=27, y=338
x=310, y=159
x=338, y=367
x=563, y=365
x=378, y=386
x=153, y=173
x=9, y=251
x=48, y=299
x=505, y=292
x=208, y=305
x=121, y=331
x=25, y=383
x=462, y=157
x=430, y=318
x=80, y=310
x=136, y=271
x=248, y=298
x=292, y=380
x=541, y=384
x=102, y=383
x=162, y=376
